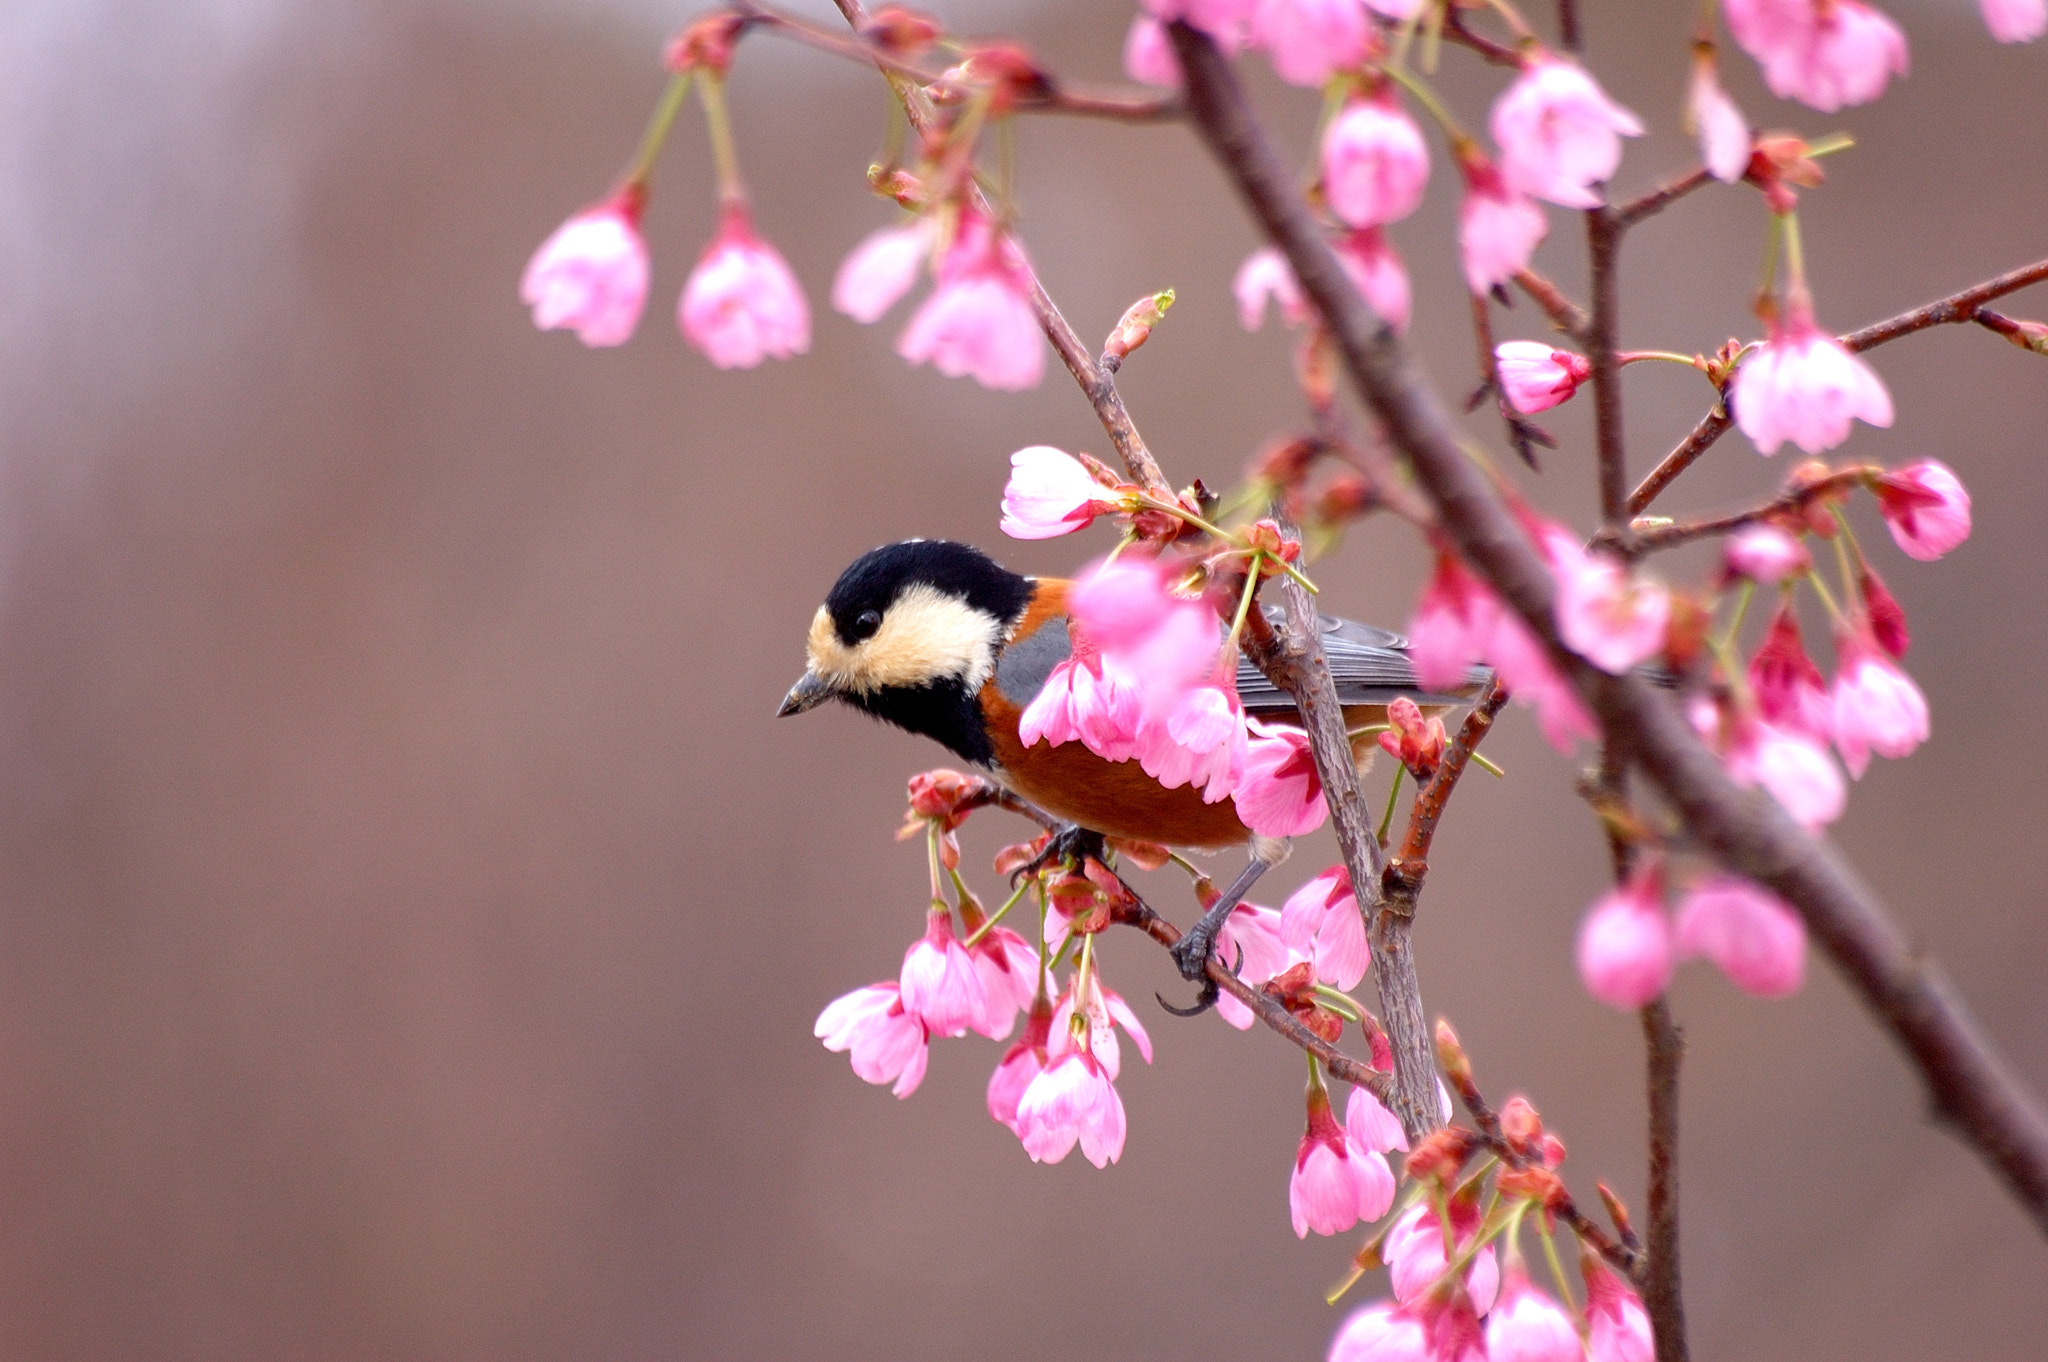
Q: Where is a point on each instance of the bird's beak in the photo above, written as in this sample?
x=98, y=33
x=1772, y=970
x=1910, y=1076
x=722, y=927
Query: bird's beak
x=808, y=693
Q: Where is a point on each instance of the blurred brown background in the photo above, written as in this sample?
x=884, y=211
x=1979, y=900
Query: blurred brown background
x=412, y=918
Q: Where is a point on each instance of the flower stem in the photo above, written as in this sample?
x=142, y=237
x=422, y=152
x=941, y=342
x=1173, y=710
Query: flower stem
x=651, y=141
x=711, y=92
x=1387, y=818
x=997, y=916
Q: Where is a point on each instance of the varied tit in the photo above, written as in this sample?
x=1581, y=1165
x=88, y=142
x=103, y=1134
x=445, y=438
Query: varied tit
x=940, y=639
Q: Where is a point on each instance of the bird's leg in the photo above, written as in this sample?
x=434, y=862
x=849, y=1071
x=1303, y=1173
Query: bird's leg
x=1191, y=952
x=1070, y=844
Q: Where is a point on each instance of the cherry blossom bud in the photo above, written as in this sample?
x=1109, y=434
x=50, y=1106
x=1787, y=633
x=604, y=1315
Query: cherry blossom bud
x=1277, y=792
x=1558, y=132
x=1625, y=944
x=1498, y=227
x=1748, y=932
x=1617, y=1327
x=881, y=269
x=1382, y=1331
x=707, y=44
x=591, y=274
x=886, y=1043
x=1148, y=55
x=1051, y=494
x=1377, y=272
x=1792, y=768
x=1265, y=274
x=1537, y=377
x=1308, y=40
x=1926, y=507
x=742, y=304
x=1827, y=54
x=1417, y=743
x=1375, y=163
x=940, y=985
x=900, y=31
x=1886, y=617
x=1520, y=1124
x=2016, y=21
x=1764, y=554
x=1804, y=386
x=1720, y=126
x=1134, y=328
x=1787, y=685
x=1320, y=922
x=1877, y=708
x=1527, y=1326
x=979, y=320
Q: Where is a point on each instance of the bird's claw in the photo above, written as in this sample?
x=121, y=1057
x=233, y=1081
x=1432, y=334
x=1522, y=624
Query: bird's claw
x=1210, y=992
x=1072, y=844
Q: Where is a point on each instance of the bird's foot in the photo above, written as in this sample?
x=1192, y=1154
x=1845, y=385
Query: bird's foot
x=1191, y=953
x=1071, y=844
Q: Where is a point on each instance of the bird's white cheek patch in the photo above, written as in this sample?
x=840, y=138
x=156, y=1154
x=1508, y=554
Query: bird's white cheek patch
x=926, y=636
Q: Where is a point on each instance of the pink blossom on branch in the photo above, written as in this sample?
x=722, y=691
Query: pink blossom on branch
x=2016, y=21
x=1071, y=1101
x=1926, y=507
x=1020, y=1064
x=1804, y=386
x=1050, y=494
x=1788, y=686
x=1148, y=54
x=1452, y=625
x=881, y=269
x=1525, y=1325
x=1277, y=792
x=1764, y=554
x=886, y=1043
x=1877, y=708
x=979, y=321
x=1827, y=54
x=1617, y=1326
x=1414, y=1251
x=1748, y=932
x=1792, y=768
x=1320, y=922
x=590, y=275
x=1266, y=275
x=1498, y=226
x=1606, y=612
x=1558, y=132
x=940, y=985
x=1377, y=272
x=1251, y=940
x=1382, y=1332
x=1536, y=377
x=742, y=304
x=1310, y=40
x=1335, y=1184
x=1624, y=948
x=1375, y=164
x=1720, y=126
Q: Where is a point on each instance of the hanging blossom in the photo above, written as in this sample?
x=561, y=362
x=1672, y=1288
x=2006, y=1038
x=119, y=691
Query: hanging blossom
x=1793, y=768
x=1050, y=493
x=1536, y=377
x=1926, y=507
x=1265, y=276
x=1558, y=132
x=1251, y=939
x=1886, y=616
x=940, y=985
x=590, y=275
x=1375, y=165
x=1606, y=612
x=1617, y=1326
x=1498, y=225
x=1277, y=791
x=881, y=269
x=1148, y=54
x=1414, y=1252
x=1526, y=1325
x=1712, y=116
x=1382, y=1332
x=1788, y=687
x=1624, y=947
x=1803, y=385
x=1764, y=554
x=1827, y=54
x=1308, y=41
x=1321, y=923
x=1378, y=274
x=1747, y=931
x=1877, y=708
x=2016, y=21
x=742, y=303
x=1073, y=1099
x=886, y=1043
x=1022, y=1062
x=979, y=320
x=1340, y=1172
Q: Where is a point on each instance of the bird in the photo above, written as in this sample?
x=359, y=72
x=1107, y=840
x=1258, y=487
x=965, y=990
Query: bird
x=939, y=639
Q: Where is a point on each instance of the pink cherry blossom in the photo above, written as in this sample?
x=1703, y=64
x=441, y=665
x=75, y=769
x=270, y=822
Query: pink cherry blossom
x=1527, y=674
x=1050, y=494
x=1087, y=698
x=881, y=269
x=1335, y=1184
x=1606, y=613
x=979, y=321
x=1378, y=274
x=1528, y=1326
x=1559, y=134
x=1071, y=1101
x=1250, y=940
x=941, y=986
x=1008, y=967
x=1451, y=626
x=1624, y=947
x=1375, y=163
x=1827, y=54
x=2016, y=21
x=1382, y=1332
x=1020, y=1064
x=1748, y=932
x=1792, y=768
x=887, y=1044
x=1926, y=507
x=1788, y=686
x=1265, y=274
x=742, y=304
x=1618, y=1328
x=1278, y=793
x=1764, y=554
x=1321, y=923
x=1308, y=40
x=590, y=275
x=1498, y=228
x=1877, y=708
x=1414, y=1251
x=1370, y=1125
x=1100, y=1011
x=1804, y=386
x=1723, y=131
x=1148, y=54
x=1537, y=377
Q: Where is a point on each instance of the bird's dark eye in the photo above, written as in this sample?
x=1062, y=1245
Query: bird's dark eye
x=865, y=626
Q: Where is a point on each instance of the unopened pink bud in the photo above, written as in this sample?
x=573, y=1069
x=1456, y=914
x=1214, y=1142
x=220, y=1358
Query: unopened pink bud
x=1765, y=554
x=1926, y=507
x=1537, y=377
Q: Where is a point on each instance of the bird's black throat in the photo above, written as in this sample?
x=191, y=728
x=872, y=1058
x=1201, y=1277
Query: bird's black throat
x=942, y=710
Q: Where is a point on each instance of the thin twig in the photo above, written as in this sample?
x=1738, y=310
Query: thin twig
x=1498, y=54
x=1523, y=433
x=1969, y=1083
x=1660, y=198
x=1603, y=242
x=1566, y=315
x=1665, y=1046
x=1405, y=870
x=1957, y=307
x=1113, y=108
x=1648, y=537
x=1568, y=26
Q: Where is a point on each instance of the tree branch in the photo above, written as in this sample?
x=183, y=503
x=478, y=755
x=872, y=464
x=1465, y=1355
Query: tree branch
x=1967, y=1080
x=1660, y=198
x=1603, y=242
x=1649, y=537
x=1665, y=1045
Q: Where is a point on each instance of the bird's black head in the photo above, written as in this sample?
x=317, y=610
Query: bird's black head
x=909, y=633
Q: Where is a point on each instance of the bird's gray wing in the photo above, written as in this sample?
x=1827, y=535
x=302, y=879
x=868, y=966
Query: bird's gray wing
x=1369, y=665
